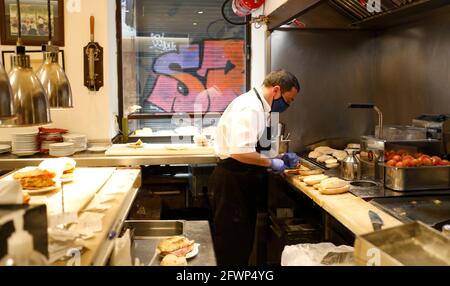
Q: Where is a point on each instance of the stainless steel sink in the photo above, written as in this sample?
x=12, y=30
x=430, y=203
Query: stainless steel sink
x=149, y=229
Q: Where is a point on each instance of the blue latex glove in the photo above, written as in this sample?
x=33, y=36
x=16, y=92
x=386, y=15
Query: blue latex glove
x=277, y=165
x=290, y=160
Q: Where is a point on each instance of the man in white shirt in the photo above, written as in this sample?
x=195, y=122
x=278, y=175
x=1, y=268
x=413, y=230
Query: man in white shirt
x=243, y=133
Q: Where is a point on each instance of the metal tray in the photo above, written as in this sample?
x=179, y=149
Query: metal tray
x=413, y=244
x=417, y=178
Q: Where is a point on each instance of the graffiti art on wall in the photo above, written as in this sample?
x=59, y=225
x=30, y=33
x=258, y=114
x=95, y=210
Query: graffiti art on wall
x=202, y=77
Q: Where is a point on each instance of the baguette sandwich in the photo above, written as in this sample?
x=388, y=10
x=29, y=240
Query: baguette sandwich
x=176, y=245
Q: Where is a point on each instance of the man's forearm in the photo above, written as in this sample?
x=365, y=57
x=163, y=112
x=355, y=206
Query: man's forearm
x=254, y=158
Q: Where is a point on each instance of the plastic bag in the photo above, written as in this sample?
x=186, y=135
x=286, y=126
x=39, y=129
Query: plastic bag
x=321, y=254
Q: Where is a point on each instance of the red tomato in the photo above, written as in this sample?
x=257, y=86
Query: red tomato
x=391, y=163
x=417, y=155
x=407, y=162
x=426, y=161
x=424, y=157
x=435, y=160
x=397, y=158
x=444, y=163
x=408, y=157
x=399, y=165
x=416, y=163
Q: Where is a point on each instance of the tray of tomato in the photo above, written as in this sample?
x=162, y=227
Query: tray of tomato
x=413, y=172
x=401, y=160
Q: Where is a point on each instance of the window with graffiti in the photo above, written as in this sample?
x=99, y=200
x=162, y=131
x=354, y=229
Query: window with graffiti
x=183, y=57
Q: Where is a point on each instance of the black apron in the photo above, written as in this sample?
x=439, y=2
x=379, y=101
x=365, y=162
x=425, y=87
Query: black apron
x=235, y=191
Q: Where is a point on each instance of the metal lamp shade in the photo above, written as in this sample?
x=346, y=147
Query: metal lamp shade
x=30, y=98
x=55, y=82
x=7, y=110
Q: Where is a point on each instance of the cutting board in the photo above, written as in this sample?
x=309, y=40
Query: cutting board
x=159, y=150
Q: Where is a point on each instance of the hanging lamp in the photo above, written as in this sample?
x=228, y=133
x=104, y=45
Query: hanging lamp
x=52, y=76
x=7, y=108
x=29, y=96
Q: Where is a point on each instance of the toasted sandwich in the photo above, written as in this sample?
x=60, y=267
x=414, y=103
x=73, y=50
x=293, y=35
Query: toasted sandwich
x=35, y=179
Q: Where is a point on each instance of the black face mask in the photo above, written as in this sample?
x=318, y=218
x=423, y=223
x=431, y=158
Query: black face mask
x=279, y=105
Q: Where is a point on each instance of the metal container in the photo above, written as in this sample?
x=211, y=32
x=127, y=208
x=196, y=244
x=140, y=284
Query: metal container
x=350, y=167
x=413, y=244
x=402, y=132
x=283, y=146
x=417, y=178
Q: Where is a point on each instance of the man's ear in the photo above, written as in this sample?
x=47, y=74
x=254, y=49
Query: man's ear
x=275, y=90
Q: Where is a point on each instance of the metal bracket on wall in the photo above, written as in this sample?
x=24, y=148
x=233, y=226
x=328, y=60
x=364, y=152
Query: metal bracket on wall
x=260, y=20
x=93, y=62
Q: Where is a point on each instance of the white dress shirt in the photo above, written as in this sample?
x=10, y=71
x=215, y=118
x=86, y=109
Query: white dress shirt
x=242, y=124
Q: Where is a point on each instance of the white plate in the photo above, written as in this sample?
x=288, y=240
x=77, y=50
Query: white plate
x=40, y=191
x=194, y=251
x=97, y=149
x=4, y=148
x=26, y=133
x=24, y=153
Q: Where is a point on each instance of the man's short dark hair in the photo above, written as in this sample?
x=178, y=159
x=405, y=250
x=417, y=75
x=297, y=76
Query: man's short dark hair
x=282, y=78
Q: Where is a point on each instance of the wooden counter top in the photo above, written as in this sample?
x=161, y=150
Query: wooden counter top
x=348, y=209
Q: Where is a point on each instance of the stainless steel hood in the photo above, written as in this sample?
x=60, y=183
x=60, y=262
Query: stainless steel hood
x=353, y=14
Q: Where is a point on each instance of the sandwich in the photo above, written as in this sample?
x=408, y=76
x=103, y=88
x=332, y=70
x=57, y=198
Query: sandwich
x=35, y=179
x=176, y=245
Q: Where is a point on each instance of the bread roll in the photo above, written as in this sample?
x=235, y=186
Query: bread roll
x=333, y=186
x=332, y=166
x=173, y=260
x=310, y=172
x=354, y=146
x=334, y=191
x=323, y=158
x=324, y=150
x=315, y=179
x=314, y=155
x=340, y=155
x=292, y=171
x=332, y=183
x=331, y=161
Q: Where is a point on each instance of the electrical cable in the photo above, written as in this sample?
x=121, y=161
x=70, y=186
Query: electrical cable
x=49, y=21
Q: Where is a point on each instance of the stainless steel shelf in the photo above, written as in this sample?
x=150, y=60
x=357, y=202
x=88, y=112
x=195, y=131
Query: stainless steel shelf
x=90, y=159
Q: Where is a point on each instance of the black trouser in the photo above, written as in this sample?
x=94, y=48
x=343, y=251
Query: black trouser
x=234, y=189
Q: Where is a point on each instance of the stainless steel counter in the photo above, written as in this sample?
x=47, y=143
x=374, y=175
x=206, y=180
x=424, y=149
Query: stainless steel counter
x=194, y=230
x=92, y=159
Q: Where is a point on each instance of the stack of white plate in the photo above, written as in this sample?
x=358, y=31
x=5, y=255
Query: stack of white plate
x=62, y=149
x=25, y=143
x=79, y=141
x=4, y=148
